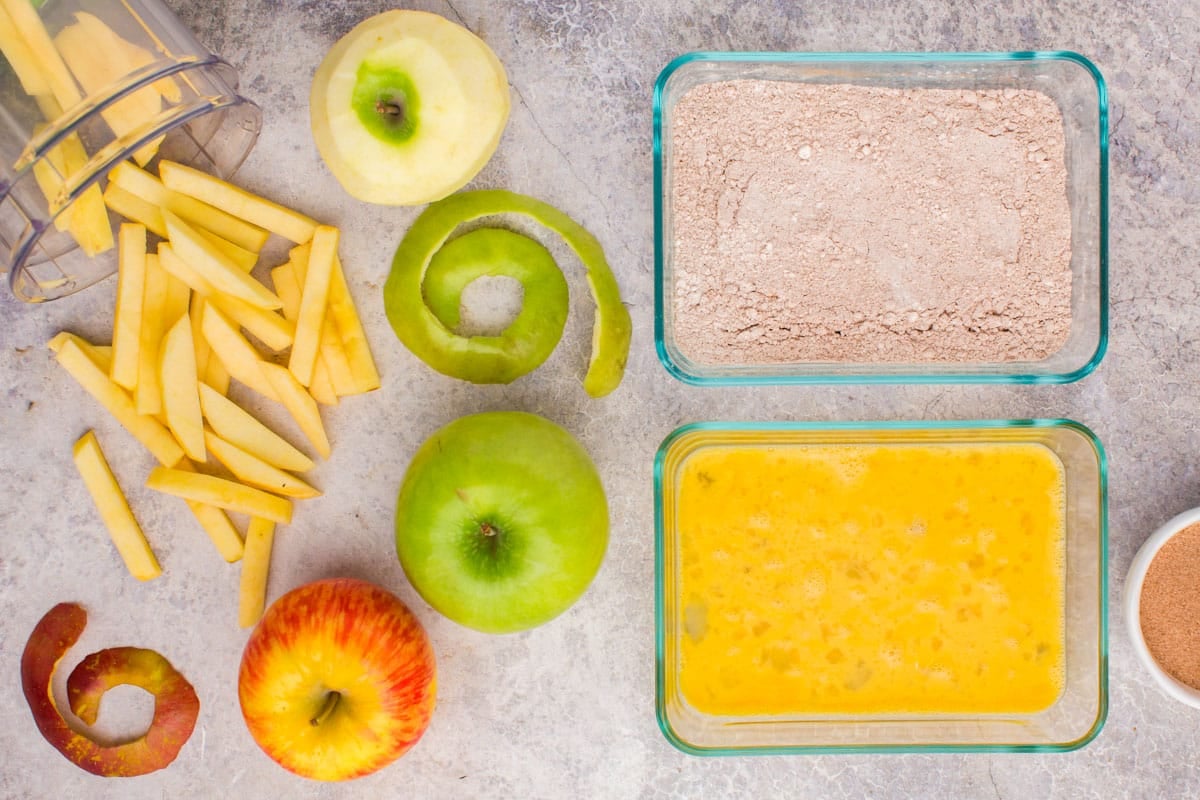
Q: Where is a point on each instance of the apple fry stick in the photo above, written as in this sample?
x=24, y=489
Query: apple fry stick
x=177, y=298
x=21, y=58
x=84, y=217
x=142, y=184
x=289, y=224
x=220, y=530
x=147, y=392
x=135, y=209
x=219, y=492
x=147, y=430
x=131, y=289
x=253, y=471
x=28, y=25
x=287, y=287
x=314, y=298
x=231, y=229
x=138, y=209
x=217, y=376
x=236, y=425
x=100, y=354
x=208, y=366
x=203, y=351
x=245, y=259
x=215, y=523
x=354, y=339
x=334, y=355
x=182, y=270
x=268, y=326
x=89, y=224
x=50, y=172
x=217, y=268
x=96, y=63
x=26, y=44
x=236, y=354
x=299, y=404
x=331, y=356
x=114, y=509
x=181, y=399
x=252, y=590
x=119, y=49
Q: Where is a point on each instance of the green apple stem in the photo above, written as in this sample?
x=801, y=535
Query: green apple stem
x=491, y=539
x=391, y=109
x=331, y=702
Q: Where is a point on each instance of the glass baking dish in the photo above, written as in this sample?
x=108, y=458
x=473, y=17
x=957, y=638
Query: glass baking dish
x=1069, y=79
x=1060, y=722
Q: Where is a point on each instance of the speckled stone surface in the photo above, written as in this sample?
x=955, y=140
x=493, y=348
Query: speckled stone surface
x=568, y=710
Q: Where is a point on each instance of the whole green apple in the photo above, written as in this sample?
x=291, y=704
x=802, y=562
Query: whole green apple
x=501, y=521
x=337, y=680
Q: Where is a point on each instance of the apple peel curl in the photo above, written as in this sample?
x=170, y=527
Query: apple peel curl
x=176, y=705
x=428, y=274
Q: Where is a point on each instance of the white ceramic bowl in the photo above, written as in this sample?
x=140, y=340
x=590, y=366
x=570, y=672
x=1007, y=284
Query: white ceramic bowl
x=1133, y=607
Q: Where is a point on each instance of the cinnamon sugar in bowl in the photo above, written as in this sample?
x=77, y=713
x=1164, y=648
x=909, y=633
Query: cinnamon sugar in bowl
x=1162, y=607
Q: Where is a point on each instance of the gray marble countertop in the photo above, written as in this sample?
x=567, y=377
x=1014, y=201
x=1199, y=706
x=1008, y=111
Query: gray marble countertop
x=567, y=710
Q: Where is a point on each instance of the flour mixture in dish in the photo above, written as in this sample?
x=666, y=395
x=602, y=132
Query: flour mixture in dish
x=863, y=224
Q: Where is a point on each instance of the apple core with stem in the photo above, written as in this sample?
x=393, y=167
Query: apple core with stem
x=386, y=102
x=407, y=107
x=501, y=521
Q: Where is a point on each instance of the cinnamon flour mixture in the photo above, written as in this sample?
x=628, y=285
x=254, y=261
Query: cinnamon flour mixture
x=851, y=223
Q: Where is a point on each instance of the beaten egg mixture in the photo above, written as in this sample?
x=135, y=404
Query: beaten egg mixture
x=903, y=578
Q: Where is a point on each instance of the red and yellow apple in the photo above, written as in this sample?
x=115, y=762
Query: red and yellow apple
x=337, y=680
x=175, y=703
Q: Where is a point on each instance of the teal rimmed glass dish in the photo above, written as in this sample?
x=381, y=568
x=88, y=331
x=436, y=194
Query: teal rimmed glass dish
x=1068, y=78
x=1069, y=722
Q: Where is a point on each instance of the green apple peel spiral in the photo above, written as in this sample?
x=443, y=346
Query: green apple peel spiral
x=429, y=272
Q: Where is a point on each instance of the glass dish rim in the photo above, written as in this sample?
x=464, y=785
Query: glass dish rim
x=949, y=425
x=866, y=376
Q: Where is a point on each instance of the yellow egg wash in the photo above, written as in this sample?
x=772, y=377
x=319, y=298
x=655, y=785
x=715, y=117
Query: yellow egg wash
x=903, y=578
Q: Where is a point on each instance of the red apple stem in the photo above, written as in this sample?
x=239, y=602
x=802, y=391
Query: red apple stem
x=331, y=701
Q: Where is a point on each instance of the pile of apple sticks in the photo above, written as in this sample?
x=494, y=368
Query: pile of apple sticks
x=178, y=339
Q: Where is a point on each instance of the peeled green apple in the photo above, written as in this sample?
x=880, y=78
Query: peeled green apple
x=337, y=680
x=501, y=521
x=175, y=703
x=407, y=107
